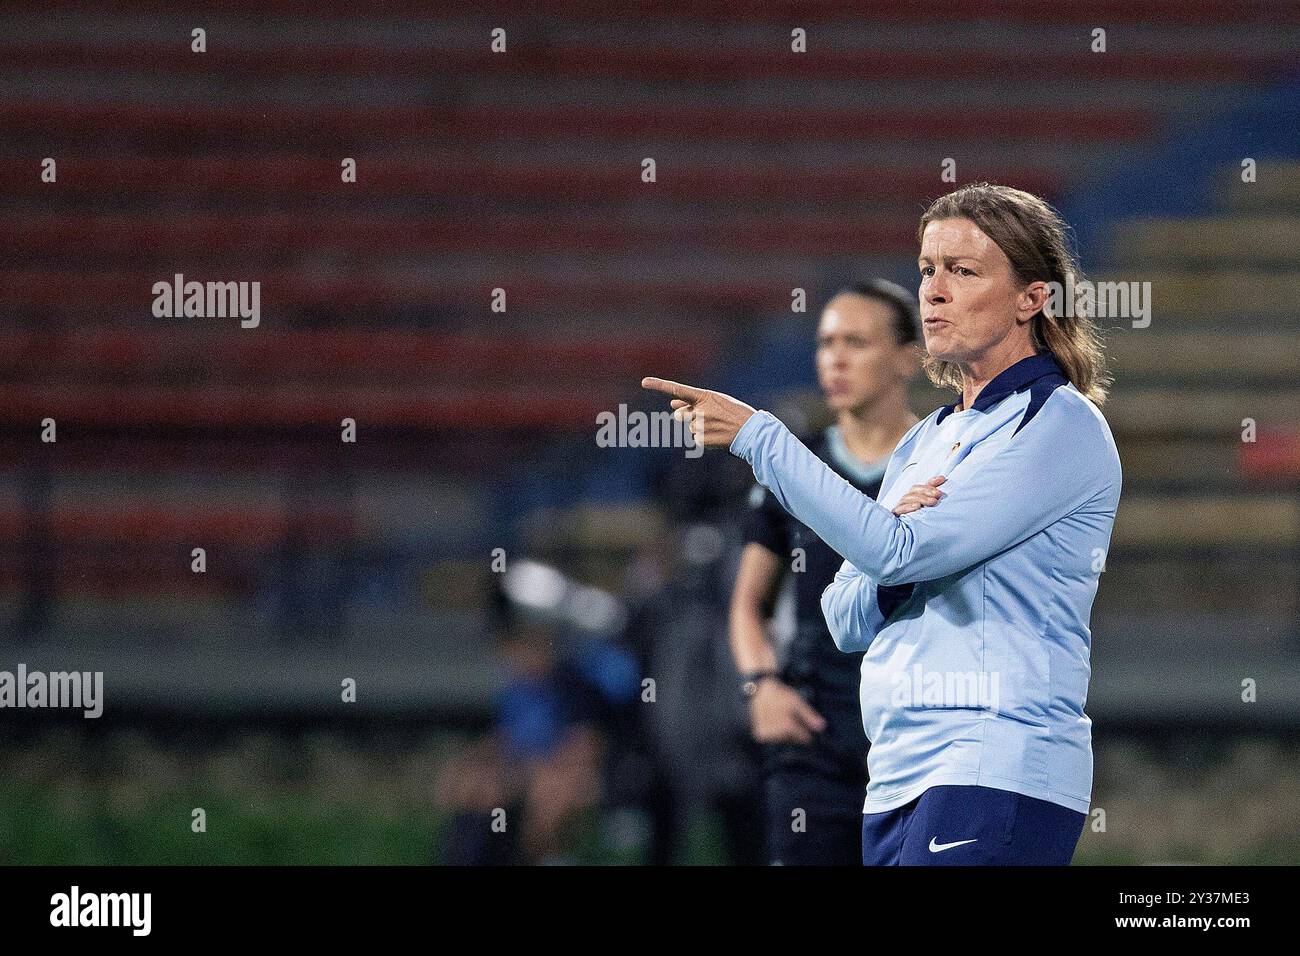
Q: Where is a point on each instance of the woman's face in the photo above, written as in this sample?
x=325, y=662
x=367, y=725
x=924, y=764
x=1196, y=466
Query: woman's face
x=970, y=300
x=858, y=354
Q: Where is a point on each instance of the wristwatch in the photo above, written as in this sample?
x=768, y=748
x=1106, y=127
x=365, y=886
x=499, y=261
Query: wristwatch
x=749, y=683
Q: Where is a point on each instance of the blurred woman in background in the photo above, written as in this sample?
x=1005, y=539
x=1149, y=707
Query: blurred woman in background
x=803, y=705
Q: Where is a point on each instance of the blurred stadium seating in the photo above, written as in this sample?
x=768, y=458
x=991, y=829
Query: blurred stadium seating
x=521, y=172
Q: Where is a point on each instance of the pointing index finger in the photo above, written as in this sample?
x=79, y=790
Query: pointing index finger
x=675, y=389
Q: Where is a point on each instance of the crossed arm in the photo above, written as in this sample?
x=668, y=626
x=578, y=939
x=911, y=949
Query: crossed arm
x=995, y=498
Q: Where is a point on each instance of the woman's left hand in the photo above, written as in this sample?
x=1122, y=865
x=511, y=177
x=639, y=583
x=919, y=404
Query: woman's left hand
x=921, y=496
x=714, y=418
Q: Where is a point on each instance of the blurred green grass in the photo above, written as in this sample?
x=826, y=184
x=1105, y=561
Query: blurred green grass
x=275, y=831
x=125, y=798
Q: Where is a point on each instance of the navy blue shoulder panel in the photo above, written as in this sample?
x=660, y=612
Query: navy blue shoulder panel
x=1039, y=392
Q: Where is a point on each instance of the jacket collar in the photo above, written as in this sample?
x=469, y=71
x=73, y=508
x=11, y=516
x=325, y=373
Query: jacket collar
x=1014, y=378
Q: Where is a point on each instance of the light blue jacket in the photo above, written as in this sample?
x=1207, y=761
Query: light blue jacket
x=973, y=612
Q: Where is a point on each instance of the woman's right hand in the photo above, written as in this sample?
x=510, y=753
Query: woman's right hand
x=778, y=715
x=921, y=496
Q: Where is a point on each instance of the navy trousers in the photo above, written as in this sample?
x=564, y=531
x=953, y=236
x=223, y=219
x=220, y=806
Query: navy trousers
x=972, y=826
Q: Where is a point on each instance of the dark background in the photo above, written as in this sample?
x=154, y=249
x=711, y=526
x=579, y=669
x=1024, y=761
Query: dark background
x=373, y=560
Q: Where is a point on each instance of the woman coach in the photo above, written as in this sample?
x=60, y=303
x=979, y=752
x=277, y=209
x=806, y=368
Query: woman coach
x=970, y=592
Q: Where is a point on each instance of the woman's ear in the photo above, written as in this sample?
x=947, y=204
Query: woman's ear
x=1032, y=300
